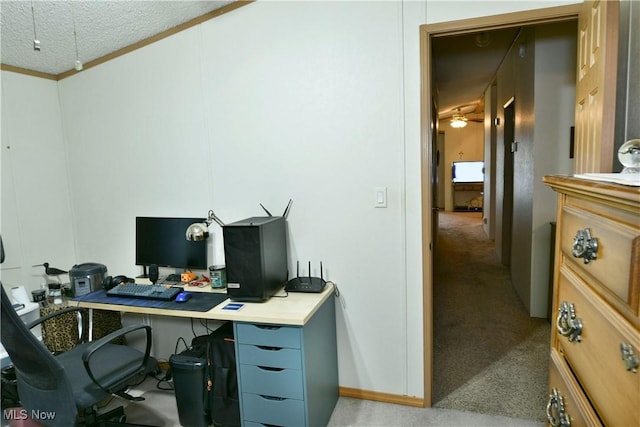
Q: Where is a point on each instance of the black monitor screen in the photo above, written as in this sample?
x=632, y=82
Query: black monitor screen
x=162, y=241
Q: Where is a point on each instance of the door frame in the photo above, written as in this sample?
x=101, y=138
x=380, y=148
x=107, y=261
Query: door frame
x=427, y=32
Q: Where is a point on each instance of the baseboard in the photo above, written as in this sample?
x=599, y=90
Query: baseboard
x=382, y=397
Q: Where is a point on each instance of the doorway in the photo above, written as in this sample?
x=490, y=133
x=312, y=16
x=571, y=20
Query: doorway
x=427, y=32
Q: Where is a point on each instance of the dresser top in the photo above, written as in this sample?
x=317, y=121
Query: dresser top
x=625, y=195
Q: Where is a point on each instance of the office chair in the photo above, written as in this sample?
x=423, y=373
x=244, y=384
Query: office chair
x=71, y=384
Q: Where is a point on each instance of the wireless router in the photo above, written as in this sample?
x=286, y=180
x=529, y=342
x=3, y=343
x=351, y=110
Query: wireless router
x=306, y=284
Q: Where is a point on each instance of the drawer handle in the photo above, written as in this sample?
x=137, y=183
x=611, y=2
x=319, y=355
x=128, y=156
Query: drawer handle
x=269, y=368
x=267, y=327
x=585, y=246
x=278, y=399
x=568, y=324
x=555, y=410
x=630, y=360
x=267, y=348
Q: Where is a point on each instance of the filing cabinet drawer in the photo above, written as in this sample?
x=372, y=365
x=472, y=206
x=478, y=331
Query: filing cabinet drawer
x=272, y=381
x=268, y=335
x=612, y=266
x=596, y=357
x=274, y=357
x=574, y=404
x=273, y=411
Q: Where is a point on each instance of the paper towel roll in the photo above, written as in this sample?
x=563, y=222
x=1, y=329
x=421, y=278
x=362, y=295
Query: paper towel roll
x=19, y=295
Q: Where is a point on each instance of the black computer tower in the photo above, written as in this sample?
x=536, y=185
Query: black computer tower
x=255, y=251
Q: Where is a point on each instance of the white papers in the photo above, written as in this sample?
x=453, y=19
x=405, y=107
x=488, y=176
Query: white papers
x=632, y=179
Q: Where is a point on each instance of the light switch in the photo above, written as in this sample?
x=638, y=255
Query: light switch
x=380, y=197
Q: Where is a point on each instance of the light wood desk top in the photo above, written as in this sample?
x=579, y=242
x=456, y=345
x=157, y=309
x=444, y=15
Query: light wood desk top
x=295, y=309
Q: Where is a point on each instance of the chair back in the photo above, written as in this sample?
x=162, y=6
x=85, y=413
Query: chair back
x=43, y=388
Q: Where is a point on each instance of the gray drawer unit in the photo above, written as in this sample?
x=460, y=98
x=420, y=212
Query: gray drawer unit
x=273, y=410
x=272, y=381
x=275, y=357
x=269, y=335
x=288, y=375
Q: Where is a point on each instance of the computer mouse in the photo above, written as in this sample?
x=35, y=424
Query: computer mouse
x=183, y=297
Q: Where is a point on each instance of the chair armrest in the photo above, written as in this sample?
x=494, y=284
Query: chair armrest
x=97, y=345
x=83, y=320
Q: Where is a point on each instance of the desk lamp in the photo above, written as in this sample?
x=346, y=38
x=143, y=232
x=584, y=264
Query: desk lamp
x=200, y=230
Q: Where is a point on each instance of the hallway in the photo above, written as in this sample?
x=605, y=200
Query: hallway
x=489, y=355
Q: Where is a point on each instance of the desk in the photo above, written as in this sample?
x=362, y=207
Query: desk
x=286, y=355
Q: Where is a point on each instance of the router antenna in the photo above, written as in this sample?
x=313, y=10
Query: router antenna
x=309, y=271
x=286, y=210
x=298, y=269
x=321, y=278
x=265, y=209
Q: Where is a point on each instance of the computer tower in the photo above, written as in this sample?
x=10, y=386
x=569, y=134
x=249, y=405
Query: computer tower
x=255, y=251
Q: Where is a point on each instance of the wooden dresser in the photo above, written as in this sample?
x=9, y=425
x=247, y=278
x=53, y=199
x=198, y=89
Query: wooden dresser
x=595, y=342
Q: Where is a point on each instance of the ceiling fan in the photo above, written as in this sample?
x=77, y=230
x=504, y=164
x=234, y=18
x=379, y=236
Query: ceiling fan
x=459, y=118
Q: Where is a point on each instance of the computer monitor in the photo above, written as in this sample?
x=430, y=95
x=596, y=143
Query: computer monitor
x=466, y=172
x=162, y=241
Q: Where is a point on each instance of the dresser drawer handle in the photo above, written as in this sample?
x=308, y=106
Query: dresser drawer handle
x=567, y=324
x=585, y=246
x=555, y=410
x=630, y=360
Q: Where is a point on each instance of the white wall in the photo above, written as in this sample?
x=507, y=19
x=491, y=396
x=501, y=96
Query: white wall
x=237, y=112
x=555, y=94
x=318, y=102
x=453, y=10
x=36, y=222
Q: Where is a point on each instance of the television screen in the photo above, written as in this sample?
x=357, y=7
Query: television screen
x=162, y=241
x=467, y=172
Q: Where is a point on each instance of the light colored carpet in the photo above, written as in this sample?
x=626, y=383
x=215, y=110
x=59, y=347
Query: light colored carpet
x=489, y=355
x=159, y=409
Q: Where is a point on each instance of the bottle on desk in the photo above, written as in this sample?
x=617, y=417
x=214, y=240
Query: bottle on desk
x=218, y=276
x=55, y=293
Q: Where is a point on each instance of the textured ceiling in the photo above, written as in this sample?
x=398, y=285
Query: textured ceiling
x=465, y=65
x=102, y=27
x=462, y=69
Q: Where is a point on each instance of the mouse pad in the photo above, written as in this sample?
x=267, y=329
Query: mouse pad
x=199, y=301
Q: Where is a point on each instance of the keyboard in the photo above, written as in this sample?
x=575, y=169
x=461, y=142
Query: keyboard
x=134, y=290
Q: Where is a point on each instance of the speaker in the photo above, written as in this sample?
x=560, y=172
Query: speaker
x=153, y=273
x=255, y=251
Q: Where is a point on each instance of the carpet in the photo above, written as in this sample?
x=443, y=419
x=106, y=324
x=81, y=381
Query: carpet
x=489, y=355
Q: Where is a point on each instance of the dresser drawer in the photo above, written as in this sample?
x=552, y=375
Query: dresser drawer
x=273, y=411
x=574, y=403
x=596, y=357
x=272, y=381
x=273, y=357
x=612, y=266
x=268, y=335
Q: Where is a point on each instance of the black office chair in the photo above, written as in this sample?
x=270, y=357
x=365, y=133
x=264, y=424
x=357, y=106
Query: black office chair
x=71, y=384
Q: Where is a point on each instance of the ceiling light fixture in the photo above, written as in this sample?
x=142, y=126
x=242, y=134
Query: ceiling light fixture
x=78, y=64
x=36, y=42
x=458, y=120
